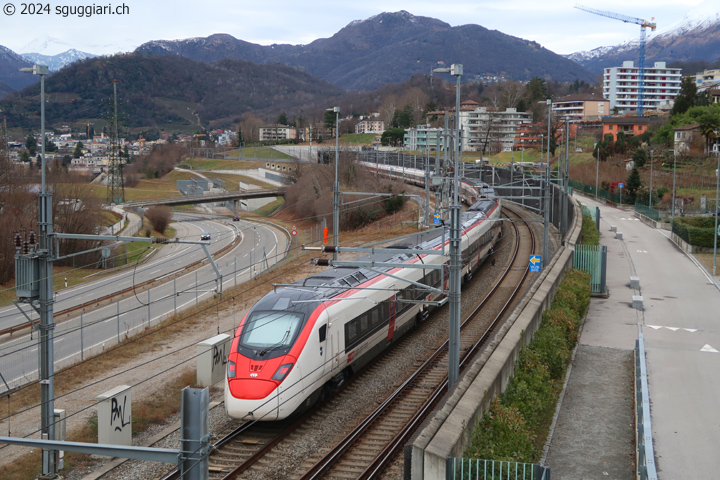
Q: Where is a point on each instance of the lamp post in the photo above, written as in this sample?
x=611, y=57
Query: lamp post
x=455, y=259
x=546, y=230
x=47, y=325
x=717, y=195
x=672, y=211
x=597, y=170
x=651, y=179
x=336, y=185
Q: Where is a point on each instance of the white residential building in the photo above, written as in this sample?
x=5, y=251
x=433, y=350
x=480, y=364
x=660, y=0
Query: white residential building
x=620, y=86
x=489, y=129
x=270, y=133
x=370, y=125
x=422, y=137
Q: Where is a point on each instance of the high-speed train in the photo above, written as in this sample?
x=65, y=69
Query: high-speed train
x=300, y=342
x=471, y=190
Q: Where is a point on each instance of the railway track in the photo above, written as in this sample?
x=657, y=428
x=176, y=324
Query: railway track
x=376, y=442
x=379, y=438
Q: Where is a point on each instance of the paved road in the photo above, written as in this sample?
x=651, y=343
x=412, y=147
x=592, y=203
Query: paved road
x=104, y=326
x=682, y=339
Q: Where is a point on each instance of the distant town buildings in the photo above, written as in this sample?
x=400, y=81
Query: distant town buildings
x=620, y=87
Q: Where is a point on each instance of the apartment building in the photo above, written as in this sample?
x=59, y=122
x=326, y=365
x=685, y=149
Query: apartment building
x=707, y=77
x=275, y=132
x=422, y=138
x=490, y=129
x=370, y=125
x=582, y=106
x=621, y=87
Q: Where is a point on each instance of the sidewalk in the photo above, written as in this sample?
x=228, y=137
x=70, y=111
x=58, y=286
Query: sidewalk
x=595, y=433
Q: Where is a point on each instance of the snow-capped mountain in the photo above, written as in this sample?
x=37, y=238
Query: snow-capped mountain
x=56, y=62
x=694, y=37
x=45, y=46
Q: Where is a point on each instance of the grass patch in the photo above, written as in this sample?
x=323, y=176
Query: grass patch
x=358, y=138
x=516, y=425
x=266, y=210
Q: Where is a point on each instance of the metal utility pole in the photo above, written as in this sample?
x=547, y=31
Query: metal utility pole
x=115, y=181
x=717, y=198
x=455, y=263
x=455, y=253
x=546, y=230
x=336, y=186
x=46, y=354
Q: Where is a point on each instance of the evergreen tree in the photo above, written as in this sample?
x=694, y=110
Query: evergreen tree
x=640, y=157
x=77, y=153
x=687, y=96
x=31, y=144
x=282, y=119
x=632, y=184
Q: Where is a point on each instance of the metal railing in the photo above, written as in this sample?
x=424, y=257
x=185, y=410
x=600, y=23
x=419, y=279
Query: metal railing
x=475, y=469
x=647, y=211
x=645, y=454
x=592, y=259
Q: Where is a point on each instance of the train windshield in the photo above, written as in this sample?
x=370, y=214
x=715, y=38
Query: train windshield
x=268, y=334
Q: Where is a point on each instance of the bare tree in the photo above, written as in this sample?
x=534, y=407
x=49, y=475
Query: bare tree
x=159, y=217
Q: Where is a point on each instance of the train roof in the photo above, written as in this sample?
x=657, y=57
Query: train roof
x=335, y=280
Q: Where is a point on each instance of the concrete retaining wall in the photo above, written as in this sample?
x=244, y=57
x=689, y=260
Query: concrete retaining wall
x=448, y=431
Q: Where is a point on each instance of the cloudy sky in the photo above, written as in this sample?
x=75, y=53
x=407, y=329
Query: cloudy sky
x=554, y=24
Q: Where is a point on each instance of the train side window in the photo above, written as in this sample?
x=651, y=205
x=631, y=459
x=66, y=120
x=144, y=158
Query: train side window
x=350, y=331
x=375, y=316
x=322, y=332
x=364, y=323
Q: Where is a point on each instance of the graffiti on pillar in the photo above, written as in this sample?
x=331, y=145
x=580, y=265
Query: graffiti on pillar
x=117, y=418
x=219, y=357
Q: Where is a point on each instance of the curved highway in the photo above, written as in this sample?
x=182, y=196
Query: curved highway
x=260, y=247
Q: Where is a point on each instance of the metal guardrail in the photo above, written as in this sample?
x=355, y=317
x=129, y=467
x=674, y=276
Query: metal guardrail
x=475, y=469
x=645, y=454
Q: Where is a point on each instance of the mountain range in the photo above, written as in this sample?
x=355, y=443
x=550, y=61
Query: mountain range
x=387, y=48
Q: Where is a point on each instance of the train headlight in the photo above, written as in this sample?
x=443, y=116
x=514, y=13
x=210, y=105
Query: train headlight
x=232, y=368
x=282, y=372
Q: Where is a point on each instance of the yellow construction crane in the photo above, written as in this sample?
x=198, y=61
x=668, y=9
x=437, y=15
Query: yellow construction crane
x=643, y=25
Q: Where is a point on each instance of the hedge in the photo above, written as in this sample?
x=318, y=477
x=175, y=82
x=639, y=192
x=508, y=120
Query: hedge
x=515, y=427
x=697, y=231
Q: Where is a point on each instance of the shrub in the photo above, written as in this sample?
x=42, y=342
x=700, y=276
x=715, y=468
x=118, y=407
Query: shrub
x=522, y=414
x=159, y=217
x=503, y=435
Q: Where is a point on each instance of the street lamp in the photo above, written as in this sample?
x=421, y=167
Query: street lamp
x=672, y=211
x=546, y=230
x=455, y=259
x=47, y=325
x=336, y=185
x=717, y=194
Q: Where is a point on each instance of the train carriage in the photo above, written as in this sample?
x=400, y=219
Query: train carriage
x=300, y=342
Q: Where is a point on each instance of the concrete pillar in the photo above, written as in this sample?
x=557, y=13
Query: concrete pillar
x=212, y=355
x=115, y=416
